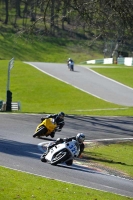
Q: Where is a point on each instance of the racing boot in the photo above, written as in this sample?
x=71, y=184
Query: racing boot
x=52, y=134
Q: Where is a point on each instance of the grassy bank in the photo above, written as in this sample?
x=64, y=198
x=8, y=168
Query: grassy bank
x=46, y=49
x=114, y=156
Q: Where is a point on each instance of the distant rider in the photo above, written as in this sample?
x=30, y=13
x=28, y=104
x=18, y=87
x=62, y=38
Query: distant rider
x=80, y=137
x=70, y=63
x=58, y=119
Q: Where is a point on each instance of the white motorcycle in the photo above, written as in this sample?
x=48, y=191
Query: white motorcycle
x=62, y=153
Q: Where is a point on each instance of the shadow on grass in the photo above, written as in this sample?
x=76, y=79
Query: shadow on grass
x=97, y=157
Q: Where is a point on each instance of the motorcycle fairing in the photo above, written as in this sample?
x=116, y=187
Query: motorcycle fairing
x=70, y=146
x=49, y=124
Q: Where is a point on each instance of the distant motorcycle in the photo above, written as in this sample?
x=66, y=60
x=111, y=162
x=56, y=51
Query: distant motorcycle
x=71, y=65
x=46, y=127
x=62, y=153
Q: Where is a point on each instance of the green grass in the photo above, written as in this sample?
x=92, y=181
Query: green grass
x=45, y=49
x=122, y=74
x=26, y=186
x=116, y=156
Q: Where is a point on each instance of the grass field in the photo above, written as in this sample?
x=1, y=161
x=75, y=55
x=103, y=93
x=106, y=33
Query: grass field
x=27, y=186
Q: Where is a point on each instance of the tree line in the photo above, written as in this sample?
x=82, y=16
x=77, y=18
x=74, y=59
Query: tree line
x=78, y=18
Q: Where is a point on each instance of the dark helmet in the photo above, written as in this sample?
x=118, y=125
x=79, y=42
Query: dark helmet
x=80, y=137
x=61, y=115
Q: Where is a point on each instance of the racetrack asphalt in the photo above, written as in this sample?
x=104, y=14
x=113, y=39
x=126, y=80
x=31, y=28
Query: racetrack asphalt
x=89, y=81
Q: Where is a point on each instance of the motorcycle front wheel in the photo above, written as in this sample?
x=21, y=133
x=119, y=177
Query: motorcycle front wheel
x=43, y=158
x=59, y=158
x=42, y=130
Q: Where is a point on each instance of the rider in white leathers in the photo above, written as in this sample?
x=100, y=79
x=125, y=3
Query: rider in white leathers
x=80, y=137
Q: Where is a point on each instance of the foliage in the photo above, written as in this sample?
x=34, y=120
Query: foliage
x=75, y=19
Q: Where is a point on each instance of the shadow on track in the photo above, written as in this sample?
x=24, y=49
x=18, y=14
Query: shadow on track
x=19, y=149
x=113, y=125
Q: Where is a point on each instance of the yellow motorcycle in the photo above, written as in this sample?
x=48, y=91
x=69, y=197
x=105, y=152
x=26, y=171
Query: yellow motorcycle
x=46, y=127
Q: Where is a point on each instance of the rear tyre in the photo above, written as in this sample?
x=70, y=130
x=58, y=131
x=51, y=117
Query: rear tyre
x=59, y=157
x=42, y=130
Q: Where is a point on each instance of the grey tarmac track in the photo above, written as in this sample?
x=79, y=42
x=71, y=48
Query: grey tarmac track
x=89, y=81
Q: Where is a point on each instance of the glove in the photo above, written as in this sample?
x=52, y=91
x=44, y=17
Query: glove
x=65, y=139
x=59, y=140
x=42, y=118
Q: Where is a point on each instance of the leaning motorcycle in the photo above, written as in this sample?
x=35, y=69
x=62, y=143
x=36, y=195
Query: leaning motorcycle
x=45, y=128
x=62, y=153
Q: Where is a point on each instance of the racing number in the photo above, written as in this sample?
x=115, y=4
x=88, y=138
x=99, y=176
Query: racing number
x=73, y=148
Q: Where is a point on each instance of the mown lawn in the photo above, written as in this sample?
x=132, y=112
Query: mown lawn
x=19, y=185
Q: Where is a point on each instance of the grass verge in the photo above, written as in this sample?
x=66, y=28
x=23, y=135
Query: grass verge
x=116, y=156
x=122, y=74
x=19, y=185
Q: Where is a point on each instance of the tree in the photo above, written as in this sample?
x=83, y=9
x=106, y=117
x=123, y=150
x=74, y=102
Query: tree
x=6, y=9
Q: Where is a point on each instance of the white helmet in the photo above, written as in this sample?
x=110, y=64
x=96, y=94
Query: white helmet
x=80, y=137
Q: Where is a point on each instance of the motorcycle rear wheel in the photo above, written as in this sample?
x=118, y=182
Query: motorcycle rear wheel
x=42, y=130
x=59, y=158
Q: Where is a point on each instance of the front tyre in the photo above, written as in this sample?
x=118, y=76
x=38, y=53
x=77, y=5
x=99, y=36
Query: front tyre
x=69, y=162
x=59, y=157
x=42, y=130
x=43, y=158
